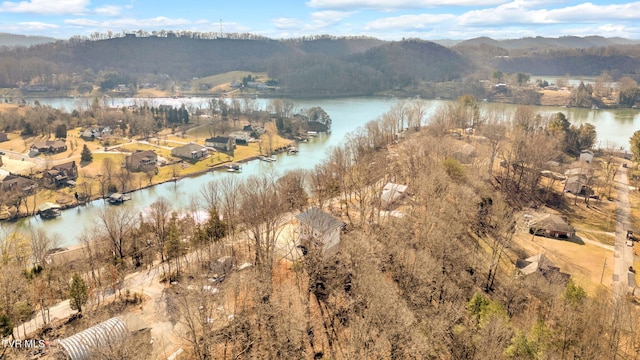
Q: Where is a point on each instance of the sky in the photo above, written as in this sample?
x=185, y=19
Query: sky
x=277, y=19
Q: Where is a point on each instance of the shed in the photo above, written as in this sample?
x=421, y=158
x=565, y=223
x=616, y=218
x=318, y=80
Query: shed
x=81, y=345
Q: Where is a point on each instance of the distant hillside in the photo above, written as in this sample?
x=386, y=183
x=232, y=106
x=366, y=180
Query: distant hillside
x=577, y=65
x=544, y=42
x=335, y=47
x=23, y=40
x=312, y=66
x=414, y=60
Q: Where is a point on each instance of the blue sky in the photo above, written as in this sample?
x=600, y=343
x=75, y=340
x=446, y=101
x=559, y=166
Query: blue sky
x=384, y=19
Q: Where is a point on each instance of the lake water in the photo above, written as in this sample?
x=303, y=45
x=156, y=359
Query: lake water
x=613, y=126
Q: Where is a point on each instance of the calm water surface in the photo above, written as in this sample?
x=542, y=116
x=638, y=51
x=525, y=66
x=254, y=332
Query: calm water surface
x=613, y=126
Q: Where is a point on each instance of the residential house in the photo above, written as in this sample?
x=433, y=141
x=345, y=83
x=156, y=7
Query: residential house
x=141, y=159
x=63, y=174
x=96, y=132
x=3, y=137
x=241, y=137
x=586, y=156
x=391, y=193
x=553, y=226
x=17, y=183
x=49, y=146
x=540, y=264
x=578, y=184
x=224, y=143
x=317, y=228
x=190, y=151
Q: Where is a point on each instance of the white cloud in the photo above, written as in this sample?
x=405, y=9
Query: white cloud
x=34, y=25
x=327, y=18
x=157, y=22
x=397, y=4
x=408, y=22
x=108, y=10
x=287, y=23
x=520, y=12
x=45, y=6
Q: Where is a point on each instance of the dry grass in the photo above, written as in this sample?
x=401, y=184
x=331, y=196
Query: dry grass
x=585, y=269
x=598, y=216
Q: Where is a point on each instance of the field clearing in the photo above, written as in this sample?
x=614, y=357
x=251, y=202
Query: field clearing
x=227, y=78
x=555, y=97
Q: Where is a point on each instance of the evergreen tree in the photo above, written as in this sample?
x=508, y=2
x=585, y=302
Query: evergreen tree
x=635, y=145
x=78, y=293
x=86, y=155
x=61, y=131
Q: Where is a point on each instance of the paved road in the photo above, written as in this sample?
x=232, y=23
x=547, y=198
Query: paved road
x=623, y=279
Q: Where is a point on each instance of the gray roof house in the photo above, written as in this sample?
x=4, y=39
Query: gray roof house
x=552, y=226
x=540, y=264
x=190, y=151
x=318, y=228
x=224, y=143
x=392, y=193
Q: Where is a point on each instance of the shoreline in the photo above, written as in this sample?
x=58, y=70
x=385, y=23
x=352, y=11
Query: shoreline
x=76, y=204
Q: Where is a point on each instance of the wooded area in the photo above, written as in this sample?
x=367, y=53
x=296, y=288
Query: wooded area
x=436, y=279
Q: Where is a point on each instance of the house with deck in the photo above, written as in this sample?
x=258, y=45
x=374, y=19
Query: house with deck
x=61, y=175
x=141, y=160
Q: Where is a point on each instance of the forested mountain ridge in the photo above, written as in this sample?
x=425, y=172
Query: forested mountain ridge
x=318, y=66
x=311, y=66
x=23, y=40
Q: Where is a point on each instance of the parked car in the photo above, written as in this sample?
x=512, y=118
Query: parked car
x=629, y=243
x=630, y=235
x=3, y=153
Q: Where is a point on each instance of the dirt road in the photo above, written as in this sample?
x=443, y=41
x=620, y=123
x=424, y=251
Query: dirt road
x=623, y=278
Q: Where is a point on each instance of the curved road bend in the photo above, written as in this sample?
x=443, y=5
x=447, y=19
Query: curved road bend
x=623, y=279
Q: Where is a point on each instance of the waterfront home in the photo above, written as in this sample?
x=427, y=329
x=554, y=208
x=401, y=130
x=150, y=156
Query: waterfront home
x=190, y=151
x=223, y=143
x=62, y=174
x=141, y=159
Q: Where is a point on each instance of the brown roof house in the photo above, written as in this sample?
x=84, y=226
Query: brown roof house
x=3, y=137
x=49, y=146
x=318, y=228
x=61, y=175
x=190, y=151
x=552, y=226
x=540, y=264
x=141, y=159
x=224, y=143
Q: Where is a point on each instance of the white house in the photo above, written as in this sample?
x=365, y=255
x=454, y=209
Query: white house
x=320, y=229
x=586, y=156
